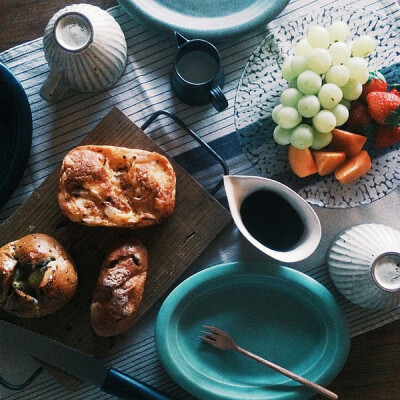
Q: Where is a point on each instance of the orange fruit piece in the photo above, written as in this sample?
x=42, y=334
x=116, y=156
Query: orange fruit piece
x=353, y=168
x=301, y=161
x=349, y=142
x=328, y=161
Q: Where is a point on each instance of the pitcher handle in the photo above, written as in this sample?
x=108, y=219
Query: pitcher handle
x=218, y=99
x=54, y=87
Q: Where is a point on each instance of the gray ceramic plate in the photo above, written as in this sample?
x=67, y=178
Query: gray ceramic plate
x=262, y=83
x=207, y=19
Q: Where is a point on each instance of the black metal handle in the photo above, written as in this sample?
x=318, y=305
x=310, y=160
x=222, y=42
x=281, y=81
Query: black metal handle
x=218, y=99
x=13, y=386
x=175, y=118
x=125, y=387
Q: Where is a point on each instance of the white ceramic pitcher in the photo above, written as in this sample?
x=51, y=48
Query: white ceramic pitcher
x=238, y=188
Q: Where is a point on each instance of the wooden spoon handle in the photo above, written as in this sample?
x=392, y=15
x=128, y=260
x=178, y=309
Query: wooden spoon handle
x=319, y=389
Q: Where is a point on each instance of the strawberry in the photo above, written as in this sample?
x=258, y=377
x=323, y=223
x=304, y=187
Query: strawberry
x=376, y=83
x=394, y=91
x=384, y=107
x=386, y=136
x=359, y=120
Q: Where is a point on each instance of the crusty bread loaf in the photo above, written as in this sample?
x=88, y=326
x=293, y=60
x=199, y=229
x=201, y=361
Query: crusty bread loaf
x=119, y=288
x=116, y=186
x=37, y=276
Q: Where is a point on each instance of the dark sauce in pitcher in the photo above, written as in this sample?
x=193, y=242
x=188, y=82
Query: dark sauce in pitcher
x=271, y=220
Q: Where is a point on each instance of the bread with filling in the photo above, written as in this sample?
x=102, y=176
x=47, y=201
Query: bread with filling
x=119, y=288
x=116, y=186
x=37, y=276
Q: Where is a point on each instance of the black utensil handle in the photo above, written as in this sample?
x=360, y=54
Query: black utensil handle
x=128, y=388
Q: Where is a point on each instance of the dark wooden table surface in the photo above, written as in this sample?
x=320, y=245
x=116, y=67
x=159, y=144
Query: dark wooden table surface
x=372, y=371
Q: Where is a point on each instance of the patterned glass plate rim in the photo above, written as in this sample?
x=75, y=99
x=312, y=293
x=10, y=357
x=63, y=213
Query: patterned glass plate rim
x=258, y=93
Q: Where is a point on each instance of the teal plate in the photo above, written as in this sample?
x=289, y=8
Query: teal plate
x=276, y=312
x=15, y=132
x=207, y=19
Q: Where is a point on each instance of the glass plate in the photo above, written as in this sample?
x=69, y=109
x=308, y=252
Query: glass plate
x=261, y=85
x=276, y=312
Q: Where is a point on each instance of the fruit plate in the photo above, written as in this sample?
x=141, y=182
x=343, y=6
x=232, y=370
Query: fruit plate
x=274, y=311
x=262, y=83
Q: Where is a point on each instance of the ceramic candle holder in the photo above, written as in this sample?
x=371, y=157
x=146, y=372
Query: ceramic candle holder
x=364, y=264
x=86, y=51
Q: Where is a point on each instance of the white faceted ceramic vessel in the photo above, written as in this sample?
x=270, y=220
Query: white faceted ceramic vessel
x=86, y=51
x=364, y=264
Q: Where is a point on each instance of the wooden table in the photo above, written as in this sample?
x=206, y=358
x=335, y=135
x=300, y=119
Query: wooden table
x=373, y=368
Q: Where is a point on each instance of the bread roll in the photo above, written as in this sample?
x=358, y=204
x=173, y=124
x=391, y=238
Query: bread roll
x=119, y=288
x=37, y=276
x=116, y=186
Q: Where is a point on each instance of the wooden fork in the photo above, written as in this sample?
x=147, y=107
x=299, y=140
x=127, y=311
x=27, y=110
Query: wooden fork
x=220, y=339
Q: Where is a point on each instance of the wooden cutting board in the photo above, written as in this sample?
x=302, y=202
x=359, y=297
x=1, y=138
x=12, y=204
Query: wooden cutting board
x=172, y=246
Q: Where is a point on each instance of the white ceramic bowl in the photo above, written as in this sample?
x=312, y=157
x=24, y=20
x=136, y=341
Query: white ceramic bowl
x=86, y=51
x=364, y=264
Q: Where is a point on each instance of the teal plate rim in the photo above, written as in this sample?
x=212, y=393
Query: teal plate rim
x=229, y=23
x=199, y=368
x=16, y=131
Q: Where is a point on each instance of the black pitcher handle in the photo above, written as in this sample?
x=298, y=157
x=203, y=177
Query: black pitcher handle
x=218, y=99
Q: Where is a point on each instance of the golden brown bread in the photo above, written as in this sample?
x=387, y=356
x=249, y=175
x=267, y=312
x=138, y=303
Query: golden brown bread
x=37, y=276
x=119, y=288
x=116, y=186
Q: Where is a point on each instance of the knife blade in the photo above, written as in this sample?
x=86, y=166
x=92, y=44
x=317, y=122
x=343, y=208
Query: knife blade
x=86, y=367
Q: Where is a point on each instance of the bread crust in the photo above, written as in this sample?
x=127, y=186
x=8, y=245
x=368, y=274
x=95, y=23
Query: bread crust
x=119, y=288
x=116, y=186
x=37, y=276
